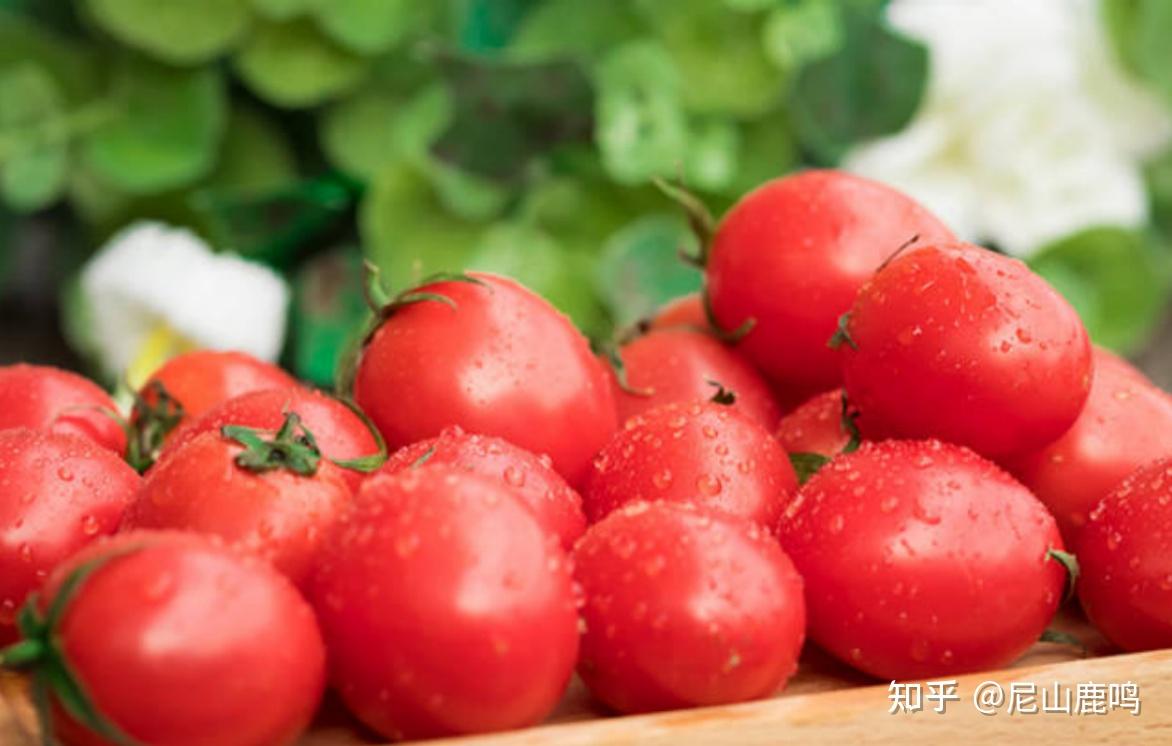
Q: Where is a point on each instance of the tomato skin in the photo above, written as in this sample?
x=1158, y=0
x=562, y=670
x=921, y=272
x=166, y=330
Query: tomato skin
x=677, y=365
x=662, y=628
x=792, y=254
x=692, y=452
x=816, y=426
x=686, y=310
x=1123, y=427
x=446, y=608
x=277, y=515
x=181, y=642
x=58, y=492
x=959, y=343
x=202, y=379
x=340, y=433
x=503, y=362
x=45, y=398
x=555, y=504
x=922, y=559
x=1126, y=565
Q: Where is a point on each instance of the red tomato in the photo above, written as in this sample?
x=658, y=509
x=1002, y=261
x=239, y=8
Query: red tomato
x=685, y=606
x=447, y=609
x=793, y=253
x=686, y=452
x=959, y=343
x=58, y=492
x=1125, y=551
x=556, y=505
x=46, y=398
x=687, y=310
x=177, y=641
x=816, y=426
x=499, y=361
x=678, y=365
x=922, y=559
x=202, y=379
x=1124, y=425
x=340, y=433
x=273, y=511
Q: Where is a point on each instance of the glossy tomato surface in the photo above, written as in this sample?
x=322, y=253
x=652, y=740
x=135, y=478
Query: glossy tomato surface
x=202, y=379
x=46, y=398
x=1125, y=553
x=339, y=432
x=498, y=360
x=556, y=505
x=922, y=559
x=180, y=642
x=278, y=515
x=816, y=426
x=680, y=364
x=58, y=492
x=959, y=343
x=1124, y=426
x=685, y=606
x=446, y=607
x=687, y=310
x=792, y=254
x=692, y=452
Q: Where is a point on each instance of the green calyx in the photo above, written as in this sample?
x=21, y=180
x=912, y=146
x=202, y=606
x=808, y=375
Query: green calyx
x=807, y=465
x=614, y=356
x=41, y=655
x=150, y=422
x=1069, y=563
x=292, y=448
x=700, y=219
x=724, y=396
x=843, y=335
x=850, y=425
x=715, y=329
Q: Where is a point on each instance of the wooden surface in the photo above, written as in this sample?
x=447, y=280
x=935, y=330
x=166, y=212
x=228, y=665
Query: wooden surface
x=826, y=703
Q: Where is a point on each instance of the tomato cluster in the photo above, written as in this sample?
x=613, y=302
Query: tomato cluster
x=864, y=434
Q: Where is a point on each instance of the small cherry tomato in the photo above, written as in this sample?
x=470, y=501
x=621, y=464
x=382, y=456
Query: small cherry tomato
x=685, y=606
x=556, y=505
x=687, y=310
x=446, y=607
x=58, y=492
x=922, y=559
x=684, y=452
x=820, y=425
x=46, y=398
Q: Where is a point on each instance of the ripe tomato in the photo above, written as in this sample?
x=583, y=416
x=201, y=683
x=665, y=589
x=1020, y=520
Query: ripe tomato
x=687, y=310
x=493, y=358
x=685, y=606
x=922, y=559
x=446, y=607
x=58, y=492
x=681, y=364
x=818, y=426
x=692, y=451
x=275, y=499
x=792, y=254
x=959, y=343
x=556, y=505
x=340, y=433
x=175, y=640
x=1123, y=426
x=46, y=398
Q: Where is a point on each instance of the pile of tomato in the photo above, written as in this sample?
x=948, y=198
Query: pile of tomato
x=865, y=435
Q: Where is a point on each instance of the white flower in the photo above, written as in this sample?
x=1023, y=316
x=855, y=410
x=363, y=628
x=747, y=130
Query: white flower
x=1029, y=130
x=154, y=291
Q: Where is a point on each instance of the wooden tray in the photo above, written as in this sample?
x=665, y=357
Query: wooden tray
x=826, y=703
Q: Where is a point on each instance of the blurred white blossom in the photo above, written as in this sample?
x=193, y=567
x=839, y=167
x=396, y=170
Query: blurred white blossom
x=1030, y=129
x=153, y=291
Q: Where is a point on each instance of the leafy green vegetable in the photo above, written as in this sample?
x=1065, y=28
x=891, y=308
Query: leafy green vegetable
x=327, y=314
x=640, y=269
x=371, y=26
x=292, y=65
x=714, y=149
x=1140, y=30
x=254, y=155
x=365, y=133
x=796, y=33
x=558, y=29
x=32, y=163
x=71, y=65
x=182, y=32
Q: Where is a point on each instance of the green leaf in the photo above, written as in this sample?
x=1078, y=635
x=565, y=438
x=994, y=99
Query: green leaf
x=292, y=65
x=870, y=87
x=71, y=66
x=1115, y=279
x=796, y=33
x=558, y=29
x=713, y=155
x=183, y=32
x=466, y=194
x=768, y=151
x=1140, y=30
x=168, y=129
x=487, y=25
x=807, y=465
x=328, y=313
x=254, y=155
x=371, y=26
x=32, y=171
x=639, y=269
x=283, y=10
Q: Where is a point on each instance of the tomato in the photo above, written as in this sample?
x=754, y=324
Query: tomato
x=1126, y=582
x=685, y=606
x=1123, y=426
x=58, y=492
x=792, y=254
x=339, y=431
x=446, y=607
x=279, y=505
x=818, y=426
x=46, y=398
x=177, y=641
x=681, y=364
x=960, y=343
x=922, y=559
x=692, y=451
x=493, y=358
x=687, y=310
x=556, y=505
